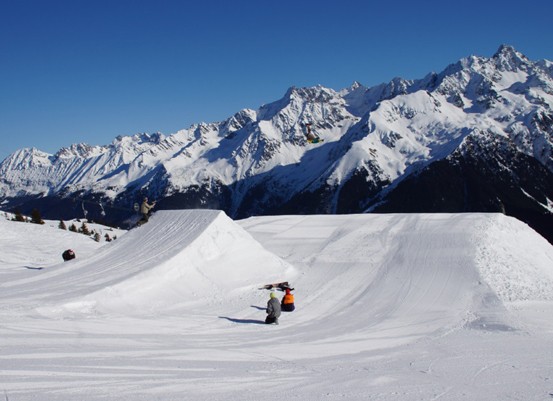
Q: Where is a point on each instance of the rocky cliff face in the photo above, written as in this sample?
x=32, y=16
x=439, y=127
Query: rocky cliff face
x=476, y=137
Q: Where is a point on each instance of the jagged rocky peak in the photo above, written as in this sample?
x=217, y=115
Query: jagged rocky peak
x=355, y=85
x=505, y=59
x=28, y=153
x=479, y=77
x=25, y=158
x=546, y=66
x=354, y=89
x=238, y=121
x=317, y=94
x=508, y=59
x=155, y=138
x=296, y=99
x=397, y=86
x=295, y=96
x=81, y=150
x=139, y=138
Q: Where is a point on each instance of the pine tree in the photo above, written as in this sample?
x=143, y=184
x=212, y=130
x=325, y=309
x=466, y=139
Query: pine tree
x=84, y=229
x=73, y=228
x=36, y=217
x=108, y=238
x=97, y=237
x=62, y=225
x=18, y=216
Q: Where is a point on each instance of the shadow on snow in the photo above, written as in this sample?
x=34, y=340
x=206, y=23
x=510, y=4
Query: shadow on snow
x=244, y=321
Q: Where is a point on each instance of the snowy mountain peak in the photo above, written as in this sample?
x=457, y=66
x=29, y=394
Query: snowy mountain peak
x=238, y=121
x=354, y=86
x=140, y=138
x=80, y=150
x=370, y=141
x=309, y=94
x=26, y=158
x=508, y=59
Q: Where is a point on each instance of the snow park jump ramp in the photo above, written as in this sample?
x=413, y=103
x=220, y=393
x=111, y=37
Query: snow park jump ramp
x=179, y=259
x=411, y=307
x=395, y=278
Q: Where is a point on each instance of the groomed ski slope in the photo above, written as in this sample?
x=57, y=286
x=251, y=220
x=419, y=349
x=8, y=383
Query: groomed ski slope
x=411, y=307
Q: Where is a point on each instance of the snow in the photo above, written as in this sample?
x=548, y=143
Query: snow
x=395, y=306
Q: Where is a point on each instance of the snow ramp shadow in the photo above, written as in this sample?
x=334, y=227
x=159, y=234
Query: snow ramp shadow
x=179, y=259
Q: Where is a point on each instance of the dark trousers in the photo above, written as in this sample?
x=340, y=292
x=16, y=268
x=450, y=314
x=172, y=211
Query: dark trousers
x=287, y=307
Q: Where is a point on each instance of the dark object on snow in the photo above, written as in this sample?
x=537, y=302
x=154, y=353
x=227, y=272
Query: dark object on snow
x=283, y=285
x=68, y=255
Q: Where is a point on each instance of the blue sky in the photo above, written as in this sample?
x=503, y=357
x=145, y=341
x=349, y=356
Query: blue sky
x=76, y=71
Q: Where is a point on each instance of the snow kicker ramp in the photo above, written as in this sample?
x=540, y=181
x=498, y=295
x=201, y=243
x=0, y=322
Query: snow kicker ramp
x=385, y=280
x=179, y=259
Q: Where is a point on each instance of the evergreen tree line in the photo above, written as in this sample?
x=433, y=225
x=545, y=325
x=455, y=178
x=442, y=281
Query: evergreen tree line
x=83, y=229
x=36, y=218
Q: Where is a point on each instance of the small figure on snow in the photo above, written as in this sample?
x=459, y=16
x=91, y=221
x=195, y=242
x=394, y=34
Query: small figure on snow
x=273, y=309
x=309, y=134
x=146, y=210
x=287, y=303
x=68, y=255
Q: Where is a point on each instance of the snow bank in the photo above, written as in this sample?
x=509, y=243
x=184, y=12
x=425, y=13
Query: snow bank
x=39, y=246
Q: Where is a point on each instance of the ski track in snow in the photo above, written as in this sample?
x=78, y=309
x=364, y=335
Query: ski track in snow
x=417, y=307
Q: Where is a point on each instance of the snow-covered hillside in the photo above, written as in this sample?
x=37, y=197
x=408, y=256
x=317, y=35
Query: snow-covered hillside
x=491, y=115
x=450, y=306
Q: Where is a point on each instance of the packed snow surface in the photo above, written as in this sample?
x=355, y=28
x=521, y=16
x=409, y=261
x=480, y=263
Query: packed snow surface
x=388, y=307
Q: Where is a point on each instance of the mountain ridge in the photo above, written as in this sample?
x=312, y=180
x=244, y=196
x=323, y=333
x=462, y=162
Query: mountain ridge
x=476, y=112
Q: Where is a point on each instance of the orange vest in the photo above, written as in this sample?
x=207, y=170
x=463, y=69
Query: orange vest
x=288, y=299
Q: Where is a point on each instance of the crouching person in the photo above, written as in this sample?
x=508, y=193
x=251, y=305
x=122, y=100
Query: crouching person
x=287, y=304
x=273, y=310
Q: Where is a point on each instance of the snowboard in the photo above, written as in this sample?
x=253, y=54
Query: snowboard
x=283, y=285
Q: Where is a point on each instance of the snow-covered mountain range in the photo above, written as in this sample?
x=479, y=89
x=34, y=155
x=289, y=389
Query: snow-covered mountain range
x=476, y=137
